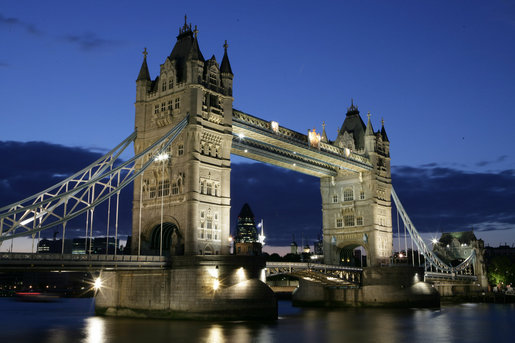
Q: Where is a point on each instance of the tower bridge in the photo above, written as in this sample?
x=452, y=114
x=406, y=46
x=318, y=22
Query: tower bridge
x=185, y=132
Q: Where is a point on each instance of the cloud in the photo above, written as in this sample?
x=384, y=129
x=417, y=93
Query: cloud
x=90, y=41
x=13, y=23
x=500, y=159
x=444, y=199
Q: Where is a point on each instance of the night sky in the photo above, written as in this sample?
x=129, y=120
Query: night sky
x=440, y=73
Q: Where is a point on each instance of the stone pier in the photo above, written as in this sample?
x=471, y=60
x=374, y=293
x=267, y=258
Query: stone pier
x=381, y=287
x=194, y=287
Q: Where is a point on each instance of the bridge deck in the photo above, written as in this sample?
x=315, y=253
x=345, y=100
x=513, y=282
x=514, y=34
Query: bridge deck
x=35, y=262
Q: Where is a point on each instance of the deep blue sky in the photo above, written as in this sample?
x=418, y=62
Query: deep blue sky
x=441, y=73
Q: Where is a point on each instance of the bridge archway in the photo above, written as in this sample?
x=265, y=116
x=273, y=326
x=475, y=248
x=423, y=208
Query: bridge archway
x=353, y=255
x=173, y=242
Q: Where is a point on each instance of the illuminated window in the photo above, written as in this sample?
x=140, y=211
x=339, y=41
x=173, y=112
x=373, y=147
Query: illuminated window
x=362, y=195
x=359, y=221
x=348, y=194
x=339, y=222
x=349, y=220
x=335, y=199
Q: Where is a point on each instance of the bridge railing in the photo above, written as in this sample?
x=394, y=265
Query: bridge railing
x=79, y=257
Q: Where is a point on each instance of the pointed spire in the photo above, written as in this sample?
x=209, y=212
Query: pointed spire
x=225, y=67
x=383, y=132
x=324, y=135
x=143, y=72
x=370, y=130
x=352, y=109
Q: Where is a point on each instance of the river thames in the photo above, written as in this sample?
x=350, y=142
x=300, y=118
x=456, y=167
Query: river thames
x=73, y=320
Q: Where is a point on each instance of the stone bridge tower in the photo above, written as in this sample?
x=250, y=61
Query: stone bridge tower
x=184, y=198
x=357, y=207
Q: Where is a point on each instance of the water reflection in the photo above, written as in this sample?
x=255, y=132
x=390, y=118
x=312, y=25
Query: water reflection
x=95, y=330
x=73, y=321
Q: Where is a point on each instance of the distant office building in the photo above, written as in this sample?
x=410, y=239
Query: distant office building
x=294, y=248
x=78, y=246
x=246, y=241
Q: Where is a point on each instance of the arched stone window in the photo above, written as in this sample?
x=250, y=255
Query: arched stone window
x=349, y=220
x=348, y=194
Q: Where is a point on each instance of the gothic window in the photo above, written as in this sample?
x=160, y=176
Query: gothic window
x=175, y=188
x=212, y=79
x=335, y=199
x=216, y=216
x=209, y=188
x=163, y=188
x=339, y=222
x=349, y=220
x=180, y=150
x=203, y=148
x=216, y=238
x=170, y=107
x=163, y=86
x=209, y=223
x=177, y=103
x=156, y=109
x=152, y=192
x=202, y=189
x=216, y=192
x=170, y=84
x=348, y=194
x=359, y=221
x=362, y=195
x=163, y=106
x=202, y=214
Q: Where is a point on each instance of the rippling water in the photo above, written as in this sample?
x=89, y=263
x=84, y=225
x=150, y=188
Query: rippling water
x=72, y=320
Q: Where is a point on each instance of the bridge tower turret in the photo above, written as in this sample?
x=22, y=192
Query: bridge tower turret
x=356, y=207
x=185, y=196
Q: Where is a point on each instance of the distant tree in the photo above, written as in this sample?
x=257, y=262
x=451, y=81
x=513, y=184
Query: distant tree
x=275, y=258
x=501, y=270
x=291, y=257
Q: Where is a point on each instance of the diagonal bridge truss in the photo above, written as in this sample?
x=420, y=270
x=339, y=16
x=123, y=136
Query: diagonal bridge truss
x=433, y=264
x=83, y=191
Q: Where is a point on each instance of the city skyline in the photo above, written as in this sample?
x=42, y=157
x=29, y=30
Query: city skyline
x=439, y=74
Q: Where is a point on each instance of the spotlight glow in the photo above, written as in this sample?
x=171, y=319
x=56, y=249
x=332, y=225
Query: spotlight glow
x=241, y=274
x=98, y=284
x=216, y=284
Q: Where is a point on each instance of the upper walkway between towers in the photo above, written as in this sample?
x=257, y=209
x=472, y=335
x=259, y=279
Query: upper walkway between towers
x=267, y=141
